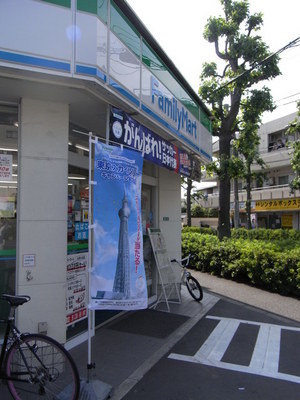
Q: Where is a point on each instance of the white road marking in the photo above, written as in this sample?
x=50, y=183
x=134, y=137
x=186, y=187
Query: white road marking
x=266, y=352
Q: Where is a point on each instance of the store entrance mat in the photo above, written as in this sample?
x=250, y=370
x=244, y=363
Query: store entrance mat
x=148, y=322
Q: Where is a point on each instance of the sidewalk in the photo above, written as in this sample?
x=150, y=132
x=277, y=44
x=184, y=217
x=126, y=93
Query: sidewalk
x=125, y=349
x=281, y=305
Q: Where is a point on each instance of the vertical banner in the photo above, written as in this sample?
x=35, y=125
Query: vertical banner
x=118, y=275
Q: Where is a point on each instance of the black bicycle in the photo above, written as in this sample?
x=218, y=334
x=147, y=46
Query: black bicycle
x=193, y=286
x=34, y=365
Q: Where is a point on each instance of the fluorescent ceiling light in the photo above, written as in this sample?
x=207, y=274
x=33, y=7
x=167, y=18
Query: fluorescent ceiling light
x=82, y=147
x=9, y=182
x=4, y=149
x=79, y=178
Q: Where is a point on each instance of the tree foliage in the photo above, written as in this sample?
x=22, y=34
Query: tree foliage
x=245, y=61
x=191, y=197
x=248, y=140
x=294, y=130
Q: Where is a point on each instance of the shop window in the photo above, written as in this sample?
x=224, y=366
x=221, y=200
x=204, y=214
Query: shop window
x=8, y=200
x=77, y=258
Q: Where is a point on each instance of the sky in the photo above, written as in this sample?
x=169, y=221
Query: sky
x=178, y=27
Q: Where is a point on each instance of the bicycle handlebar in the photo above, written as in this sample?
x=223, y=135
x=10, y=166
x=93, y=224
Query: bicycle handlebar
x=184, y=262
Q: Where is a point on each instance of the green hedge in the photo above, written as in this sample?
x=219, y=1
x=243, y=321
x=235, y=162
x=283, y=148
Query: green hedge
x=196, y=229
x=269, y=264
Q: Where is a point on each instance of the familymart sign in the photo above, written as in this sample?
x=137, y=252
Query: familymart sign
x=169, y=106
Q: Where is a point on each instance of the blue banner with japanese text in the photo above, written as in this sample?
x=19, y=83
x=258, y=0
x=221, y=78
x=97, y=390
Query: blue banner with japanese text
x=118, y=279
x=127, y=131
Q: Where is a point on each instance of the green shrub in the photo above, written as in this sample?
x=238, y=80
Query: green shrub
x=270, y=263
x=196, y=229
x=266, y=234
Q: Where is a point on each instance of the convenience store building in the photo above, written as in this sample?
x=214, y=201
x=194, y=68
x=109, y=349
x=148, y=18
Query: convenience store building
x=69, y=68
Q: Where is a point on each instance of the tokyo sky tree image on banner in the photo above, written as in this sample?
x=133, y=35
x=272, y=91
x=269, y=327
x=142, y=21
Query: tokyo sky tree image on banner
x=118, y=275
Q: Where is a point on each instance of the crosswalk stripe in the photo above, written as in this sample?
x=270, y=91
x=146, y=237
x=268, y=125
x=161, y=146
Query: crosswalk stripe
x=265, y=356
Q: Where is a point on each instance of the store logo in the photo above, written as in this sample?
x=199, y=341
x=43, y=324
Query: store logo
x=169, y=106
x=117, y=129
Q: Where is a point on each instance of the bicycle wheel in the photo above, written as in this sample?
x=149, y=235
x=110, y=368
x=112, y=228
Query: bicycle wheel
x=194, y=288
x=45, y=367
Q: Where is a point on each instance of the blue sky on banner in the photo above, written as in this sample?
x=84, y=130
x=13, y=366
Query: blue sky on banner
x=178, y=27
x=108, y=196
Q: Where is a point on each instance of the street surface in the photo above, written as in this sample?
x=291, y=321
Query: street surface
x=235, y=352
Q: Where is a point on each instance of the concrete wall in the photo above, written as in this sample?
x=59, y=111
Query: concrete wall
x=169, y=205
x=42, y=214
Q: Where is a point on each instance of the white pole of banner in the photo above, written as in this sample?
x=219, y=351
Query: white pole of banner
x=107, y=123
x=95, y=390
x=90, y=319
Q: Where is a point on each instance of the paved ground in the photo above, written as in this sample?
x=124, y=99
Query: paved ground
x=239, y=342
x=275, y=303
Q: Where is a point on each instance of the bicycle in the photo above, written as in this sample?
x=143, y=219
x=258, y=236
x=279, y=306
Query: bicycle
x=193, y=286
x=35, y=365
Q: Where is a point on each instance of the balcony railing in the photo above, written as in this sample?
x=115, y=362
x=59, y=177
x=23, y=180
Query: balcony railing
x=261, y=193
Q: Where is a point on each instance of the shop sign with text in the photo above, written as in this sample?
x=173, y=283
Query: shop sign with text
x=283, y=204
x=127, y=131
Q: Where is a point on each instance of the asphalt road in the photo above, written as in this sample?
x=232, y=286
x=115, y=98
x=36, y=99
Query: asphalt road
x=235, y=351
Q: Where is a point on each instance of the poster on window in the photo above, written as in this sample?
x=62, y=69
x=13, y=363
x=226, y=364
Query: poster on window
x=118, y=275
x=6, y=161
x=77, y=280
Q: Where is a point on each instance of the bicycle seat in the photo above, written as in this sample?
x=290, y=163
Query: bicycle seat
x=15, y=300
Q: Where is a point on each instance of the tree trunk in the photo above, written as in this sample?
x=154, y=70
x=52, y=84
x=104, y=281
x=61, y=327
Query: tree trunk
x=236, y=203
x=224, y=196
x=188, y=202
x=236, y=198
x=248, y=201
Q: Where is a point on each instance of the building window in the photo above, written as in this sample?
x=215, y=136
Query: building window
x=283, y=180
x=277, y=141
x=8, y=200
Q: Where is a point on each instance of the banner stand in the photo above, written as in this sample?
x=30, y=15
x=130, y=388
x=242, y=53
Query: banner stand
x=96, y=389
x=116, y=277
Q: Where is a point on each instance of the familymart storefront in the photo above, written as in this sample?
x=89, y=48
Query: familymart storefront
x=76, y=69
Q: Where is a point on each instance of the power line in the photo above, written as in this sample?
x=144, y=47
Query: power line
x=290, y=102
x=287, y=97
x=293, y=43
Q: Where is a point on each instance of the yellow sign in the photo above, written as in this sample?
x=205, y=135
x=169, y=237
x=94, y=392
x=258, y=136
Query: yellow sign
x=284, y=204
x=287, y=221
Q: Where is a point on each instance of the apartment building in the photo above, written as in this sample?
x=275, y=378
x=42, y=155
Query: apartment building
x=272, y=203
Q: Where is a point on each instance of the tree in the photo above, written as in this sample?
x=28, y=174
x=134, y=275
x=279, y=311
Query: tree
x=187, y=184
x=247, y=61
x=248, y=140
x=294, y=130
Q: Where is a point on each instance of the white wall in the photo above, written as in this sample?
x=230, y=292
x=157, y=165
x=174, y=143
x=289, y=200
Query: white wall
x=169, y=199
x=42, y=214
